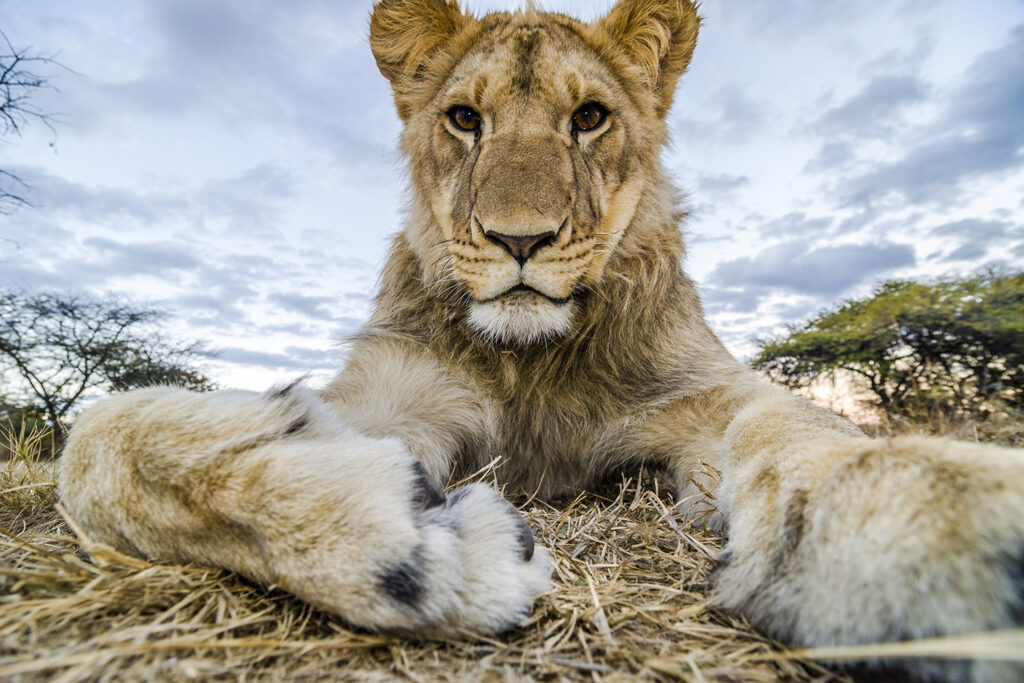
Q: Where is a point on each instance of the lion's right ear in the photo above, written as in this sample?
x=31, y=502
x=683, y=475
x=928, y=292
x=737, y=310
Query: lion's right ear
x=406, y=34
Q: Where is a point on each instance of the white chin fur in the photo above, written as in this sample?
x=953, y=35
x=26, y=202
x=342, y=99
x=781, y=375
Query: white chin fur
x=521, y=319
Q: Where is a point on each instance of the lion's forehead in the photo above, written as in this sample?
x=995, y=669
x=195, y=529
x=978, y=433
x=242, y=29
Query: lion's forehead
x=517, y=66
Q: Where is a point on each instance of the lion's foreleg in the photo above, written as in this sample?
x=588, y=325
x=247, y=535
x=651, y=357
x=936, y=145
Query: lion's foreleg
x=839, y=539
x=390, y=388
x=275, y=487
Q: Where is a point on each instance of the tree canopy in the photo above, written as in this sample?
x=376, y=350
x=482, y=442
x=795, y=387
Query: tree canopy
x=56, y=350
x=945, y=348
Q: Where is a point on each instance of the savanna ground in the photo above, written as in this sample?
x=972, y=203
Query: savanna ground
x=629, y=602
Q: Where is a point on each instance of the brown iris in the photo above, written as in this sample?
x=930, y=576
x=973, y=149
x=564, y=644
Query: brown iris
x=589, y=116
x=464, y=118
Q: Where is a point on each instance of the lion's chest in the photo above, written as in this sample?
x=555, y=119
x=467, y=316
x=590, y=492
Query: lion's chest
x=550, y=447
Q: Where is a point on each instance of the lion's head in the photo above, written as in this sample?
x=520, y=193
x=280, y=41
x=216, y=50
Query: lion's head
x=533, y=138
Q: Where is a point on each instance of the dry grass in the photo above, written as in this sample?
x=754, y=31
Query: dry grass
x=629, y=602
x=1003, y=429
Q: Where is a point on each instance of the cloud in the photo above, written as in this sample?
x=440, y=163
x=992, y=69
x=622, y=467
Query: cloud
x=97, y=204
x=19, y=274
x=831, y=155
x=975, y=229
x=204, y=310
x=361, y=298
x=718, y=299
x=724, y=183
x=285, y=66
x=293, y=358
x=902, y=60
x=824, y=271
x=794, y=224
x=795, y=18
x=347, y=326
x=250, y=200
x=28, y=228
x=318, y=258
x=310, y=306
x=967, y=252
x=980, y=132
x=317, y=359
x=873, y=112
x=795, y=310
x=94, y=267
x=735, y=118
x=150, y=258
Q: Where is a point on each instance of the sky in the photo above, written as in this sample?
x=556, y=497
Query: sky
x=234, y=162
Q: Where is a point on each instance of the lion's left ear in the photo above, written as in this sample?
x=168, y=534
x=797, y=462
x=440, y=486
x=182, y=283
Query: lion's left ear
x=658, y=36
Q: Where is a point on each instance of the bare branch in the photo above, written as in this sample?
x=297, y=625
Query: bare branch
x=21, y=79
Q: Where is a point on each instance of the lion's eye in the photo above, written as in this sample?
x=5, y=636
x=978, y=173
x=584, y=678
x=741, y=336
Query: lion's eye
x=464, y=118
x=589, y=116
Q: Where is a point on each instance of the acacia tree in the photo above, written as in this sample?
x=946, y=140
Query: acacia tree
x=56, y=350
x=20, y=80
x=947, y=348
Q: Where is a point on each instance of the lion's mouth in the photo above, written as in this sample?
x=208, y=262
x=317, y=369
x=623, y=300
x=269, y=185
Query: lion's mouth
x=523, y=289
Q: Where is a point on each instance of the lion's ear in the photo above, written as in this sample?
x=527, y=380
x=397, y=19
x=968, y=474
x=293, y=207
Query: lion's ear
x=658, y=36
x=405, y=34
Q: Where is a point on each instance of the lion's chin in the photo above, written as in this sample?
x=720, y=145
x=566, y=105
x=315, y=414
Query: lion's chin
x=521, y=318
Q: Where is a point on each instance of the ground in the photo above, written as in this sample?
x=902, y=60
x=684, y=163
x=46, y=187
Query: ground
x=629, y=602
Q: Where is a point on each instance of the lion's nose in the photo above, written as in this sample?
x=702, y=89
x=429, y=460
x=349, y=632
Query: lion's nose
x=522, y=247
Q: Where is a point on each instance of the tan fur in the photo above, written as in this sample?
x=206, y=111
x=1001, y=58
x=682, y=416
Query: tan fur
x=274, y=487
x=833, y=538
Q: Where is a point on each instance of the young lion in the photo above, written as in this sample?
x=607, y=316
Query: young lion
x=534, y=309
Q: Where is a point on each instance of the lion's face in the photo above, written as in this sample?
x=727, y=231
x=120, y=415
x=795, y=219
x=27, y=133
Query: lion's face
x=530, y=146
x=531, y=137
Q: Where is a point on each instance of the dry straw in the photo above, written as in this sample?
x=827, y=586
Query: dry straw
x=629, y=602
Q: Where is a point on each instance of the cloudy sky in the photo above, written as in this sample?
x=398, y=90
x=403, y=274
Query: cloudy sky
x=233, y=160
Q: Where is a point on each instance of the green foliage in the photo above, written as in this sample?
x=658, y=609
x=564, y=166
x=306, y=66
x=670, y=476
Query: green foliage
x=952, y=348
x=56, y=350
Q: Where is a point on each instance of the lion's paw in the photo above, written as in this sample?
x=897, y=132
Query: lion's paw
x=907, y=539
x=504, y=570
x=472, y=568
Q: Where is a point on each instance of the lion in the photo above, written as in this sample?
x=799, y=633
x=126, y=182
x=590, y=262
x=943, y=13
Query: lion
x=534, y=312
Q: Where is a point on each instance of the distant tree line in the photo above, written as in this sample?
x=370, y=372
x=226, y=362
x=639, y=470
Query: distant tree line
x=58, y=350
x=953, y=348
